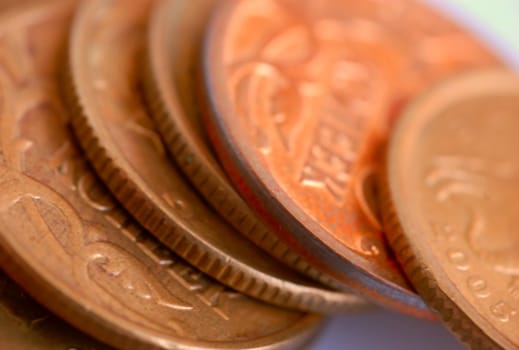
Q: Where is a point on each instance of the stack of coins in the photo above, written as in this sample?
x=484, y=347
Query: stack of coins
x=222, y=174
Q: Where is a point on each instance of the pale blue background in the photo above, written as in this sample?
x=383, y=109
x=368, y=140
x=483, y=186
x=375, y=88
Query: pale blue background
x=497, y=22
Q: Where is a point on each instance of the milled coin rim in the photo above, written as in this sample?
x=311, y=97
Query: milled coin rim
x=420, y=264
x=256, y=184
x=127, y=186
x=57, y=296
x=197, y=162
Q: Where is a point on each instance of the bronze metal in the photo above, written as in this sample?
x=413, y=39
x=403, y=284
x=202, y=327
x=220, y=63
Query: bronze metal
x=118, y=137
x=25, y=325
x=301, y=95
x=64, y=239
x=172, y=55
x=451, y=204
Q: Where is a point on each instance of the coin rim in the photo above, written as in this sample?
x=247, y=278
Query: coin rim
x=51, y=292
x=256, y=184
x=421, y=266
x=126, y=184
x=199, y=165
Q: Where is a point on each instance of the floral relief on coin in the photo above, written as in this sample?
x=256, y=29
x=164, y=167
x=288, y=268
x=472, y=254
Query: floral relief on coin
x=120, y=141
x=59, y=219
x=34, y=128
x=482, y=181
x=470, y=186
x=314, y=88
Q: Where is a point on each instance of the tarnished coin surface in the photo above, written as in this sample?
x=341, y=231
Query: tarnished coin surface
x=25, y=325
x=63, y=238
x=118, y=137
x=172, y=58
x=301, y=94
x=451, y=211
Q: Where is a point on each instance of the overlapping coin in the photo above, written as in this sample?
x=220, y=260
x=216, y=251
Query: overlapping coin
x=451, y=211
x=69, y=245
x=117, y=135
x=240, y=146
x=170, y=87
x=300, y=97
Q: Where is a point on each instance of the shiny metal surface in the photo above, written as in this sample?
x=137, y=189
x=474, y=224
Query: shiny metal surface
x=119, y=138
x=64, y=239
x=170, y=85
x=451, y=194
x=301, y=98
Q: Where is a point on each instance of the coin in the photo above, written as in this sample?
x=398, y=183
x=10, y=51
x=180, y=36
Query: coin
x=26, y=325
x=63, y=238
x=170, y=90
x=452, y=191
x=301, y=94
x=117, y=134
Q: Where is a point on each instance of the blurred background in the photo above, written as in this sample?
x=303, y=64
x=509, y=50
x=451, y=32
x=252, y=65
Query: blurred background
x=496, y=22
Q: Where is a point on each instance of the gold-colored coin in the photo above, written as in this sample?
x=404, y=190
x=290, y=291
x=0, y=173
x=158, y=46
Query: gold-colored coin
x=452, y=193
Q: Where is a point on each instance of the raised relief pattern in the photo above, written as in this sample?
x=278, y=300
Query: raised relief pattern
x=478, y=187
x=302, y=83
x=302, y=96
x=46, y=179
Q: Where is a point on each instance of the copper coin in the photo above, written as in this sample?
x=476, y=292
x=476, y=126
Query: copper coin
x=452, y=196
x=300, y=96
x=128, y=154
x=26, y=325
x=63, y=238
x=172, y=58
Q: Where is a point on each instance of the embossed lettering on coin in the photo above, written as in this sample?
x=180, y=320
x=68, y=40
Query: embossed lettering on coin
x=302, y=95
x=67, y=242
x=118, y=136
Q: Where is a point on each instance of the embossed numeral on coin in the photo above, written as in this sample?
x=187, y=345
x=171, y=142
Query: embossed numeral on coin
x=503, y=311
